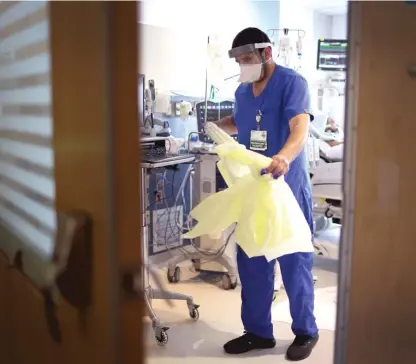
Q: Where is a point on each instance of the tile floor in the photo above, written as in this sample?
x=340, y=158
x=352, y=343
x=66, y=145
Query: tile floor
x=191, y=342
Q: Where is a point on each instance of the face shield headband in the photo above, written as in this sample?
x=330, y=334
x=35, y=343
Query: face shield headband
x=247, y=48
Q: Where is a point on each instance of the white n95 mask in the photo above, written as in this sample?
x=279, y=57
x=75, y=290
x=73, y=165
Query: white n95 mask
x=250, y=72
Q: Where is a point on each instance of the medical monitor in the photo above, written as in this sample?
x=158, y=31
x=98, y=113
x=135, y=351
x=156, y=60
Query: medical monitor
x=332, y=55
x=215, y=111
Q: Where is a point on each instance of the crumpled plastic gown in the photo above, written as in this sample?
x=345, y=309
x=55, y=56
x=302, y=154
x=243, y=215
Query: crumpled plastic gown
x=269, y=220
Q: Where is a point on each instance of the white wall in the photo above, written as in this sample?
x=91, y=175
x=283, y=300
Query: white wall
x=174, y=34
x=339, y=27
x=174, y=58
x=199, y=16
x=322, y=28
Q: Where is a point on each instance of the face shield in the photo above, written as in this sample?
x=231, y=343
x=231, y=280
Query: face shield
x=250, y=61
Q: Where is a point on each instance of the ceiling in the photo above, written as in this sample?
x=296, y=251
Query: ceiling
x=327, y=7
x=334, y=10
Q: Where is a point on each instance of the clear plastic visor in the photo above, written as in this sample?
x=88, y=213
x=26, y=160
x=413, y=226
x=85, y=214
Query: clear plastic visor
x=247, y=49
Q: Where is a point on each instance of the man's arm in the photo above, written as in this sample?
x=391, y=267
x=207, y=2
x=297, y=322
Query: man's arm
x=299, y=128
x=228, y=125
x=296, y=103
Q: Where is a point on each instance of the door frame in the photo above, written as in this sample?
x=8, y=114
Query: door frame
x=94, y=48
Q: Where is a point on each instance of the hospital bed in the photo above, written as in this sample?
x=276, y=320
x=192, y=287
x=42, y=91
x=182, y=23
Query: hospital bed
x=326, y=175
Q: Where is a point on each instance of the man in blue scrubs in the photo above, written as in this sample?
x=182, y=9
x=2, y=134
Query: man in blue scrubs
x=271, y=117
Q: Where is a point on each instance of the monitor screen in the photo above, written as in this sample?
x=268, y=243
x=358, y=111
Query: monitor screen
x=332, y=55
x=215, y=111
x=140, y=101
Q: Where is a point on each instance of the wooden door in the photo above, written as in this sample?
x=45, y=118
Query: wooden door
x=89, y=52
x=378, y=284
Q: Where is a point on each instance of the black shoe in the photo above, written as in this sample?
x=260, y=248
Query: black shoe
x=248, y=342
x=301, y=347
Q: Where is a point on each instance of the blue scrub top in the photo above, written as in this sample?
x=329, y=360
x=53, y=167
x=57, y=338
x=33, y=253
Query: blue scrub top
x=285, y=96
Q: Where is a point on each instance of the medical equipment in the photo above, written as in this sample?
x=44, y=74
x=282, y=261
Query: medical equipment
x=207, y=253
x=163, y=104
x=204, y=252
x=289, y=53
x=327, y=94
x=146, y=102
x=326, y=175
x=332, y=55
x=141, y=98
x=326, y=182
x=217, y=253
x=150, y=294
x=169, y=205
x=313, y=151
x=211, y=111
x=157, y=149
x=208, y=181
x=149, y=129
x=185, y=110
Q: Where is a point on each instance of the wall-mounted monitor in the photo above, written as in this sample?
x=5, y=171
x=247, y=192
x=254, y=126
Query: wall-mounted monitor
x=332, y=55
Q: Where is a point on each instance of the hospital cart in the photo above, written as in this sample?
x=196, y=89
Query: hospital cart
x=204, y=181
x=150, y=294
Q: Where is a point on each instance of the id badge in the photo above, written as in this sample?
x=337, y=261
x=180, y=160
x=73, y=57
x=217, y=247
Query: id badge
x=258, y=140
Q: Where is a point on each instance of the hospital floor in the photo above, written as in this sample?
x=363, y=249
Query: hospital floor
x=202, y=341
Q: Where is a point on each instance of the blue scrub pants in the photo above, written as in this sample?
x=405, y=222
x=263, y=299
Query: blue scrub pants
x=257, y=281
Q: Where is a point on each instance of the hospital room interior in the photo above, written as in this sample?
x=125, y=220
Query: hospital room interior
x=187, y=80
x=211, y=181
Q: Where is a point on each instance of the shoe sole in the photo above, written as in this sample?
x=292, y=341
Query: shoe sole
x=249, y=351
x=306, y=357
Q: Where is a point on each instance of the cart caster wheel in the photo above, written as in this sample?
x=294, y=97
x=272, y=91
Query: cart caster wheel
x=227, y=284
x=194, y=313
x=275, y=292
x=175, y=277
x=162, y=339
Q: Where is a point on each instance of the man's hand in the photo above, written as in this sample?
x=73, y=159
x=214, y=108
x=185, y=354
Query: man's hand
x=227, y=124
x=279, y=166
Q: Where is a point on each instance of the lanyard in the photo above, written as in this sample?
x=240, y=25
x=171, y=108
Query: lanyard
x=259, y=115
x=258, y=119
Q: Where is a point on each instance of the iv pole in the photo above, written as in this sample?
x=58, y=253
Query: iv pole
x=285, y=48
x=301, y=32
x=206, y=87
